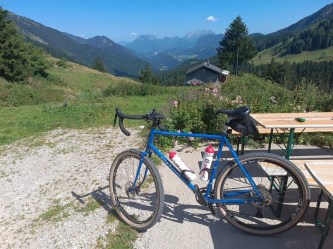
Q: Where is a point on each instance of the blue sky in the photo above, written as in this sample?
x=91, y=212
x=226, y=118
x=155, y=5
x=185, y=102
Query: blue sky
x=123, y=20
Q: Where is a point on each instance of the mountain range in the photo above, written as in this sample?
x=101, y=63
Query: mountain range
x=115, y=57
x=170, y=52
x=162, y=54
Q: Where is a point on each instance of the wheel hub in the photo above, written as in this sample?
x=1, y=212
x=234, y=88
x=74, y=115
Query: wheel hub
x=130, y=191
x=265, y=195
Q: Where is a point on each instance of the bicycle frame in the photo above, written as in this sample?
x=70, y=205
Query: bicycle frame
x=222, y=141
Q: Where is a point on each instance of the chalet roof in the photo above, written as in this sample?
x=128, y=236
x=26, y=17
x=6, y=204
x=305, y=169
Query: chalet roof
x=206, y=65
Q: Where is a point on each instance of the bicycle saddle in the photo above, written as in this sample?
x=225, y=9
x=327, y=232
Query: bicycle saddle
x=238, y=113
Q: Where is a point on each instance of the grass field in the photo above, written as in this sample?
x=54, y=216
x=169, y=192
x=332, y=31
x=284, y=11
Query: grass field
x=265, y=56
x=71, y=97
x=26, y=121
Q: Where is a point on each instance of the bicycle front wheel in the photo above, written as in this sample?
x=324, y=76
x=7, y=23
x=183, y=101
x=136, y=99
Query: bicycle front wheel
x=137, y=194
x=284, y=192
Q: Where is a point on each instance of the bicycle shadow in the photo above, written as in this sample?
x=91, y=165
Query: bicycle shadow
x=303, y=236
x=99, y=196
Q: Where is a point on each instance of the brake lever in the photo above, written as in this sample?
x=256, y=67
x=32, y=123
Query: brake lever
x=161, y=127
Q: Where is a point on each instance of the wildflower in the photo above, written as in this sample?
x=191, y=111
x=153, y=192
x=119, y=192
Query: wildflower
x=273, y=100
x=239, y=99
x=174, y=103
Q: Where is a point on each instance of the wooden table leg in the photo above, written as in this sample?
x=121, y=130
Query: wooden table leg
x=326, y=224
x=290, y=143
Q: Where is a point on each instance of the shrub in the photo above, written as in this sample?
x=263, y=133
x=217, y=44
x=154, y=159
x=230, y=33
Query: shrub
x=195, y=112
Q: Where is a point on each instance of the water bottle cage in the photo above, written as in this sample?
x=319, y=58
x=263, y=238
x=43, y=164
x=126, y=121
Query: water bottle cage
x=206, y=169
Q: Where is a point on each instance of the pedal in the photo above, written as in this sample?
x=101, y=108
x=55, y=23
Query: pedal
x=199, y=197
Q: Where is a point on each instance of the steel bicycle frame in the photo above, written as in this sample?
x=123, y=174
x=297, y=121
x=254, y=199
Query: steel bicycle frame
x=223, y=141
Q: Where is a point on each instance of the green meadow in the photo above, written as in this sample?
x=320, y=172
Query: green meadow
x=76, y=97
x=265, y=56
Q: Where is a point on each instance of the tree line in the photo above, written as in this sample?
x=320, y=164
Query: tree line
x=291, y=75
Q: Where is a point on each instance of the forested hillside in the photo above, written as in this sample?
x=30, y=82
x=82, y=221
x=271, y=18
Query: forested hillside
x=314, y=38
x=292, y=75
x=267, y=41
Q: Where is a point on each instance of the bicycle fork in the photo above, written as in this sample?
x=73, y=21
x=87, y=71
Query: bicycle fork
x=134, y=186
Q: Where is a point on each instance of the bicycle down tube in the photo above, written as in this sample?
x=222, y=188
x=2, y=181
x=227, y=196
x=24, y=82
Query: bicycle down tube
x=222, y=141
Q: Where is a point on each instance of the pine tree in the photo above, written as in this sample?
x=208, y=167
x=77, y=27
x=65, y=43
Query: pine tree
x=18, y=59
x=146, y=75
x=99, y=66
x=236, y=46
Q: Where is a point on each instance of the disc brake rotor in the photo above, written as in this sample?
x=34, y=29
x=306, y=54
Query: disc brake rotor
x=130, y=191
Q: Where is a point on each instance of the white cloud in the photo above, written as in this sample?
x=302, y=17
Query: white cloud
x=211, y=19
x=134, y=34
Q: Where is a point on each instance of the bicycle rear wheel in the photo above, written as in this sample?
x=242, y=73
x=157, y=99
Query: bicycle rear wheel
x=284, y=188
x=139, y=205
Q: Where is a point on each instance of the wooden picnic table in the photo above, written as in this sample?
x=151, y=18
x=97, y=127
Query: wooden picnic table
x=322, y=173
x=288, y=122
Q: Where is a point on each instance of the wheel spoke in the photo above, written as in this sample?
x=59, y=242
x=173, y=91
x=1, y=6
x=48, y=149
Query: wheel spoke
x=138, y=195
x=284, y=192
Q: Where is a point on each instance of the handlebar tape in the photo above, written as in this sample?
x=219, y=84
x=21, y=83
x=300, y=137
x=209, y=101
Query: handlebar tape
x=121, y=120
x=122, y=127
x=151, y=116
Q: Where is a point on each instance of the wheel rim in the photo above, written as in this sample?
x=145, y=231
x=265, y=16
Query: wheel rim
x=137, y=203
x=270, y=177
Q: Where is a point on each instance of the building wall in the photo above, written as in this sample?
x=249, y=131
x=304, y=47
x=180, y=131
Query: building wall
x=204, y=75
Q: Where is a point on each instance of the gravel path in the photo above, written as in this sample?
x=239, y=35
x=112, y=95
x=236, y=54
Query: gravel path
x=42, y=180
x=50, y=184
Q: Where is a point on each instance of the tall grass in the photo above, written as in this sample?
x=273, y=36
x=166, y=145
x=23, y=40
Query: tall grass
x=132, y=89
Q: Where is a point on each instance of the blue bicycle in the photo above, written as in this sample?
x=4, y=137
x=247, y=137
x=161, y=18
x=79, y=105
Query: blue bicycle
x=259, y=193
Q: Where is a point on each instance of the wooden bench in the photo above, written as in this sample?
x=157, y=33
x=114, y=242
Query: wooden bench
x=322, y=172
x=301, y=165
x=271, y=132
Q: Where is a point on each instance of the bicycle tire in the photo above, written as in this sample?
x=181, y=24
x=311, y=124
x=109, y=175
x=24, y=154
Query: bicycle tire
x=142, y=206
x=285, y=188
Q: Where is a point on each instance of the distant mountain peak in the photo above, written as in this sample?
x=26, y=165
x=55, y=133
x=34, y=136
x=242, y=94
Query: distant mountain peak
x=100, y=41
x=197, y=34
x=147, y=37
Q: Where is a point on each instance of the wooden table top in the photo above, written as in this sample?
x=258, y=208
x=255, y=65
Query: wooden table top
x=322, y=173
x=288, y=120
